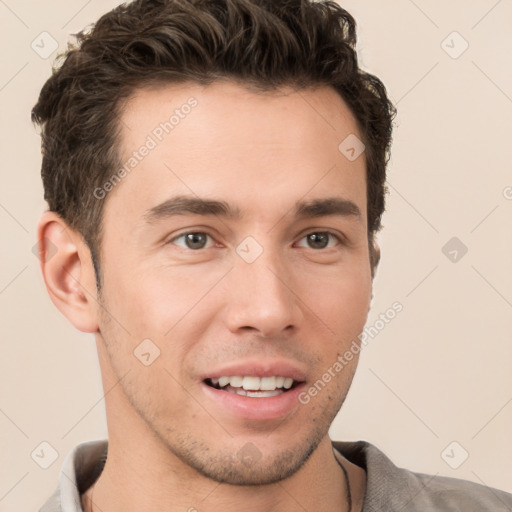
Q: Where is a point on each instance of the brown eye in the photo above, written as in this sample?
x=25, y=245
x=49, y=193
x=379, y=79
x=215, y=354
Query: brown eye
x=320, y=239
x=193, y=240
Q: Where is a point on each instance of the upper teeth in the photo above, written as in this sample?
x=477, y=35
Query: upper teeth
x=254, y=383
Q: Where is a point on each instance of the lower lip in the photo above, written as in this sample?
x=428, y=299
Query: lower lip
x=256, y=408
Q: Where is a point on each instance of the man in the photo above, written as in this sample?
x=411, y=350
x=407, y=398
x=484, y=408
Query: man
x=215, y=173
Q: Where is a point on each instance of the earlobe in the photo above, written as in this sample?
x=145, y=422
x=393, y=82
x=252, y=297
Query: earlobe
x=68, y=272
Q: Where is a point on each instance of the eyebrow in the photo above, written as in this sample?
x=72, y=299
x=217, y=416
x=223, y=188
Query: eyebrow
x=183, y=205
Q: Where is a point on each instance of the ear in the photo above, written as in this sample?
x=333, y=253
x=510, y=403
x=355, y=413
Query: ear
x=68, y=271
x=374, y=256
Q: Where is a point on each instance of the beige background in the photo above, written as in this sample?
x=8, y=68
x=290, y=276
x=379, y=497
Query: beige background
x=439, y=372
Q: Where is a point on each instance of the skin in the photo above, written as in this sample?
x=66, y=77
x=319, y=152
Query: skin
x=171, y=447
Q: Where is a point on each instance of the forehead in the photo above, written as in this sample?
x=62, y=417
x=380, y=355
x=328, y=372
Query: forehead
x=224, y=140
x=222, y=107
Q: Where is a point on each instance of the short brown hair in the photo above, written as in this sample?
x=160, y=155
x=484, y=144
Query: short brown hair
x=264, y=44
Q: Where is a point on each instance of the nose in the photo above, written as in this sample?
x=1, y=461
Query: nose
x=262, y=298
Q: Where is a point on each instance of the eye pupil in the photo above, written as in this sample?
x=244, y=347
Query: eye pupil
x=319, y=240
x=195, y=240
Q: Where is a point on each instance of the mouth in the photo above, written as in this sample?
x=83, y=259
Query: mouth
x=253, y=386
x=255, y=390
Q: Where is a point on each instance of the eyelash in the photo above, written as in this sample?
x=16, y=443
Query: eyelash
x=330, y=233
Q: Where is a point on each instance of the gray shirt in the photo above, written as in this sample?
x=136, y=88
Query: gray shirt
x=388, y=487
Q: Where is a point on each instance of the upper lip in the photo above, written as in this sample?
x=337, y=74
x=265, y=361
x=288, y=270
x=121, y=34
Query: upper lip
x=258, y=369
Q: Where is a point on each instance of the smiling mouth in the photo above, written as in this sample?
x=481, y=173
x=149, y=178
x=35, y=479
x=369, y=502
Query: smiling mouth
x=251, y=386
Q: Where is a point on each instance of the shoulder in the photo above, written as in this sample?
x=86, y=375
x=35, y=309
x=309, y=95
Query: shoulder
x=453, y=494
x=390, y=488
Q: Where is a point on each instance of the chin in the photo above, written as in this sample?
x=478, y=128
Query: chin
x=255, y=472
x=247, y=465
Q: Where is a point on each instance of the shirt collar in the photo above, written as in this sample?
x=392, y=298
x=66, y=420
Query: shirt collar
x=80, y=469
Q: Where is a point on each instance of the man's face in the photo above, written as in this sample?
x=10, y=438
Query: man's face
x=269, y=292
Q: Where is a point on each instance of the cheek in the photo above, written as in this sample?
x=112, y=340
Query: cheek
x=342, y=302
x=153, y=301
x=170, y=308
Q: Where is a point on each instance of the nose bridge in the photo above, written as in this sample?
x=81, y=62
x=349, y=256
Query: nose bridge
x=261, y=296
